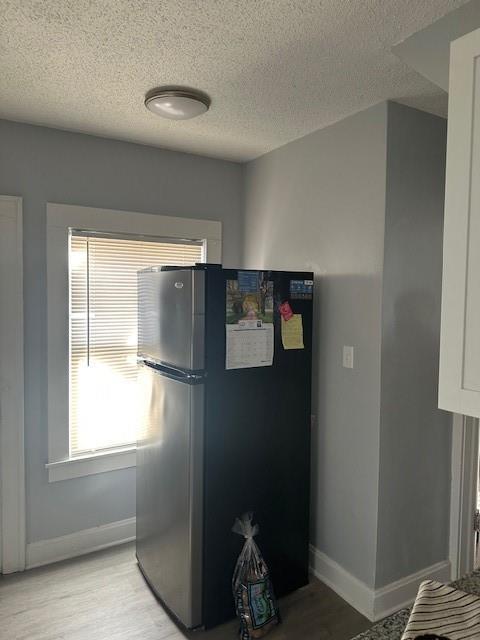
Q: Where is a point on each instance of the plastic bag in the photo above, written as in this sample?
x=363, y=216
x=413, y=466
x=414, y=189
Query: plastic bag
x=252, y=590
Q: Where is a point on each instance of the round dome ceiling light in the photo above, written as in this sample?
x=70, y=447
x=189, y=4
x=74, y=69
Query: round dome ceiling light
x=177, y=103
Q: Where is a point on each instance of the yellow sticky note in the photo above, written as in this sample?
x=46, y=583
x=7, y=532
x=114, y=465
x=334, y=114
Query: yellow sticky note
x=292, y=332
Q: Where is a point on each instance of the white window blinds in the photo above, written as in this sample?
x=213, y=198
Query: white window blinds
x=104, y=405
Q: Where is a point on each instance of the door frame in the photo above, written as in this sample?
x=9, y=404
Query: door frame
x=464, y=470
x=12, y=450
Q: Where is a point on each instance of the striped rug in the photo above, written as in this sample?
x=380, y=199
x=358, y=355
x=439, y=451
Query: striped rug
x=443, y=611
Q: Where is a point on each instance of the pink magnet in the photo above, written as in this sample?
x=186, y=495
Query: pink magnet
x=285, y=311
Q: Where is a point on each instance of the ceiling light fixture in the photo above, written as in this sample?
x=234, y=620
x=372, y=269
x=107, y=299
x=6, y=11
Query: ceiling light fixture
x=177, y=103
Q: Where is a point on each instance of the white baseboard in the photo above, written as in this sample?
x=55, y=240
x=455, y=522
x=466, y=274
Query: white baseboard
x=373, y=604
x=351, y=589
x=80, y=543
x=401, y=593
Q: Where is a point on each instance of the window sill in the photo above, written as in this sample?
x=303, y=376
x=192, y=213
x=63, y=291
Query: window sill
x=91, y=464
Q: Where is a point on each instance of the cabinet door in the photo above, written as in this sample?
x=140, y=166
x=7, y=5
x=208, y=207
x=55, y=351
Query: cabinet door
x=459, y=389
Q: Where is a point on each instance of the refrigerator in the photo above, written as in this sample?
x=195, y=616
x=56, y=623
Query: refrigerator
x=225, y=383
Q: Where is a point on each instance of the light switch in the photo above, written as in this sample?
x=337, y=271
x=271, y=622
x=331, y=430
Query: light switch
x=348, y=357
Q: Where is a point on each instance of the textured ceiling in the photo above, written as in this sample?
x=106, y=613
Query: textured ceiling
x=275, y=69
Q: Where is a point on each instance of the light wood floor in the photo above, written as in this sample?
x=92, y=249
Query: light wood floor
x=104, y=597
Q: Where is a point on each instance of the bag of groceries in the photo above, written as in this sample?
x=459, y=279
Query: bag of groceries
x=252, y=590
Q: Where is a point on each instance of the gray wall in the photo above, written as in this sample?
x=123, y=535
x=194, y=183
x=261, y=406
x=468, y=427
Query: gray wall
x=43, y=165
x=361, y=204
x=318, y=204
x=413, y=512
x=428, y=50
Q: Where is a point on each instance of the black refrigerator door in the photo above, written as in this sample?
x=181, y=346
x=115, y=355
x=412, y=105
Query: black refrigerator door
x=257, y=450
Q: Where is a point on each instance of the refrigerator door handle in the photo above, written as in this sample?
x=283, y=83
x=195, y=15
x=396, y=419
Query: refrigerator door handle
x=190, y=377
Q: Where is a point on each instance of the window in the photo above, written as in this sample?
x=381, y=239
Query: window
x=93, y=256
x=104, y=407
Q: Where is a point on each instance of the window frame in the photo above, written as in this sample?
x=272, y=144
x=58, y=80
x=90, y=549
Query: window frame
x=62, y=218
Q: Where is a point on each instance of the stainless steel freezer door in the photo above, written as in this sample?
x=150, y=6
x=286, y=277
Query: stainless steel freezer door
x=170, y=494
x=171, y=317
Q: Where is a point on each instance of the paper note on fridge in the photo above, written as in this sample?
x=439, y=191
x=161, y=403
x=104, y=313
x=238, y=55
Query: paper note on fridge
x=292, y=332
x=249, y=344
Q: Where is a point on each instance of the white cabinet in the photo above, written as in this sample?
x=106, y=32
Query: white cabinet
x=459, y=388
